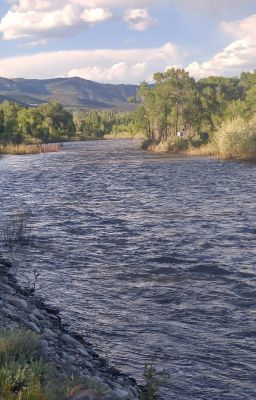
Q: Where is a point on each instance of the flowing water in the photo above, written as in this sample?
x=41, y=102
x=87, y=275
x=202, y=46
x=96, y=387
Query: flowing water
x=148, y=256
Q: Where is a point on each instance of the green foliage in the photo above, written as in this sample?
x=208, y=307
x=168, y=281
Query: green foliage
x=23, y=375
x=46, y=123
x=154, y=380
x=18, y=344
x=92, y=124
x=236, y=139
x=202, y=108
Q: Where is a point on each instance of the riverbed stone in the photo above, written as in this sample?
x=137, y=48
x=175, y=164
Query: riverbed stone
x=67, y=339
x=33, y=327
x=17, y=302
x=121, y=394
x=36, y=313
x=83, y=352
x=67, y=351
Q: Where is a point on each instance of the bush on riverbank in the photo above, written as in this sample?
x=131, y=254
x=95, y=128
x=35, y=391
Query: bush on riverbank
x=184, y=146
x=236, y=139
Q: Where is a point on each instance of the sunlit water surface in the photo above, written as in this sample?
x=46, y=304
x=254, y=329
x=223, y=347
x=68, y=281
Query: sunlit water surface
x=149, y=257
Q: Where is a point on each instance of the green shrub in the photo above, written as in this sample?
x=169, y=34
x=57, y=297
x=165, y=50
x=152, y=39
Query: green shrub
x=23, y=375
x=178, y=145
x=18, y=345
x=154, y=380
x=236, y=139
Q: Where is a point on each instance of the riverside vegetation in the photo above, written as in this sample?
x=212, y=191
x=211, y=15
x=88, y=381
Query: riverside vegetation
x=34, y=130
x=217, y=114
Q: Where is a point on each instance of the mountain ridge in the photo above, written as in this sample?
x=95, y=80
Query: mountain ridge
x=72, y=92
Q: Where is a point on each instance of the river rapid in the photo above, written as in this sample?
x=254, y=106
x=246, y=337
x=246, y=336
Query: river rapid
x=150, y=257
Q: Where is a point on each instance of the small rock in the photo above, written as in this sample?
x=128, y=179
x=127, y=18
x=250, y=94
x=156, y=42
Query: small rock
x=46, y=323
x=48, y=332
x=83, y=352
x=32, y=318
x=122, y=394
x=17, y=302
x=67, y=339
x=71, y=359
x=36, y=313
x=6, y=311
x=33, y=326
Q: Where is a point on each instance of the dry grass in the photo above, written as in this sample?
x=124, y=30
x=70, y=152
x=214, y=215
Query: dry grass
x=208, y=150
x=21, y=149
x=184, y=147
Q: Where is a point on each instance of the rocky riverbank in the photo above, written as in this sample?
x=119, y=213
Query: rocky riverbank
x=68, y=352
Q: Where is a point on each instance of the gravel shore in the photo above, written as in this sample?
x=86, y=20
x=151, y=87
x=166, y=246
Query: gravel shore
x=68, y=352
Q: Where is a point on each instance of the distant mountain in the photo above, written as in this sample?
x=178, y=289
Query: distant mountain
x=71, y=92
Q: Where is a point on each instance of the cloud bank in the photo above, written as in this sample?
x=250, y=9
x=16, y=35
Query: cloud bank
x=106, y=65
x=35, y=21
x=45, y=18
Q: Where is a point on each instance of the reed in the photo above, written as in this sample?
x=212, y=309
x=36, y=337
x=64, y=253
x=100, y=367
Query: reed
x=21, y=149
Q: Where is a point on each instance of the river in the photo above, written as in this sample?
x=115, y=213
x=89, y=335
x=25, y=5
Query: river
x=150, y=257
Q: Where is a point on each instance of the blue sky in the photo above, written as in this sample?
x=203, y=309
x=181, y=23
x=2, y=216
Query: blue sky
x=104, y=41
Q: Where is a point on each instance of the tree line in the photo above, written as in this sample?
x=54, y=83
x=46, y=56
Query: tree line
x=177, y=101
x=52, y=122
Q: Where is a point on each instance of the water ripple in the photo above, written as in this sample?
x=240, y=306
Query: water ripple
x=150, y=257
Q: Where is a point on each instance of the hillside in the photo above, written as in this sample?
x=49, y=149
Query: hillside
x=71, y=92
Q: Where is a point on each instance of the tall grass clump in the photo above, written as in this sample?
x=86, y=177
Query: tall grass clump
x=16, y=229
x=206, y=150
x=173, y=145
x=23, y=374
x=236, y=139
x=154, y=381
x=22, y=149
x=18, y=345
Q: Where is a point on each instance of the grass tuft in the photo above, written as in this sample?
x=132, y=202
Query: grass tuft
x=21, y=149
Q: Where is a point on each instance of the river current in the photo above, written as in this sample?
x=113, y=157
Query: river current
x=150, y=257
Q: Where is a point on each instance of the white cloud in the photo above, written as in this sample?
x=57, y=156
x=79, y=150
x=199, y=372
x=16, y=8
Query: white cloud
x=241, y=28
x=239, y=55
x=116, y=73
x=139, y=19
x=15, y=25
x=38, y=22
x=94, y=15
x=46, y=18
x=116, y=66
x=52, y=18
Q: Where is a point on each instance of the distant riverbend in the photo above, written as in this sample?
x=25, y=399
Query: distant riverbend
x=149, y=257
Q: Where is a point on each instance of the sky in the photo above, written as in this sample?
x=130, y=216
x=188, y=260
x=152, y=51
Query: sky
x=126, y=41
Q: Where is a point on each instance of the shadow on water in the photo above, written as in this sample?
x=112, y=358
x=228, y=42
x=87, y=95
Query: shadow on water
x=148, y=256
